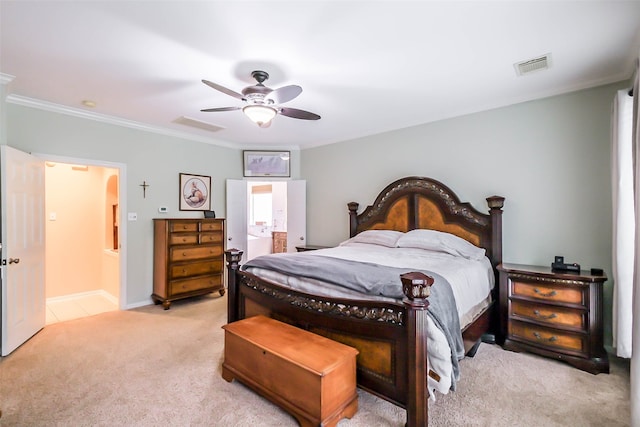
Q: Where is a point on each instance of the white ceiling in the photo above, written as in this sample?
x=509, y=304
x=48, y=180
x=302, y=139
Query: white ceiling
x=365, y=66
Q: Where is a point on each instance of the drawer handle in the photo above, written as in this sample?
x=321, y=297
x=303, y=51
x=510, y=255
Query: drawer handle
x=553, y=338
x=542, y=294
x=541, y=316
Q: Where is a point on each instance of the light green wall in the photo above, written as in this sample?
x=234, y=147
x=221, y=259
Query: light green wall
x=549, y=158
x=149, y=157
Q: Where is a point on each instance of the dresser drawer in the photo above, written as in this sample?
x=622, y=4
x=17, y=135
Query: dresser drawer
x=544, y=292
x=178, y=226
x=550, y=314
x=559, y=340
x=183, y=239
x=211, y=226
x=211, y=237
x=183, y=286
x=192, y=253
x=196, y=268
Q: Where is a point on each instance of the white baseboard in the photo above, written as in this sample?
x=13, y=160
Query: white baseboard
x=99, y=292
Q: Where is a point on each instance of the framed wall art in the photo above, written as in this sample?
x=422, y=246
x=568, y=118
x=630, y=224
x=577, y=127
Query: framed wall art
x=195, y=192
x=266, y=163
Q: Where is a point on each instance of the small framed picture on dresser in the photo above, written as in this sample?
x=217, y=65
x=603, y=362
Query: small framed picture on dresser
x=195, y=192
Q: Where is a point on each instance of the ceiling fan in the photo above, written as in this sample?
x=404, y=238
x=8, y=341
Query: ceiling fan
x=263, y=103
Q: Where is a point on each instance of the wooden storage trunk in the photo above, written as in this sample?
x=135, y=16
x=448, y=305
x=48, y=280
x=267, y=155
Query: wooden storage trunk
x=311, y=377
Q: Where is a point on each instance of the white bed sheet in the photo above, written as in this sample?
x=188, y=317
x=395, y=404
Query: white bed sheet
x=471, y=281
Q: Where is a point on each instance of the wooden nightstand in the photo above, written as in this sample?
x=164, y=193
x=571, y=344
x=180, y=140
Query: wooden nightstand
x=310, y=248
x=554, y=314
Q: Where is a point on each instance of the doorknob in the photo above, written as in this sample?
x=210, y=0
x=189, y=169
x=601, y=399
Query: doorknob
x=14, y=260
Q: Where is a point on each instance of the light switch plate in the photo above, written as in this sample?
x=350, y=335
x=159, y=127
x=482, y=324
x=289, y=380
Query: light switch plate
x=132, y=216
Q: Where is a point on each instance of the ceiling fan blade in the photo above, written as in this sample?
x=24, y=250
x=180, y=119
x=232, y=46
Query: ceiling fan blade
x=298, y=114
x=284, y=94
x=214, y=110
x=224, y=89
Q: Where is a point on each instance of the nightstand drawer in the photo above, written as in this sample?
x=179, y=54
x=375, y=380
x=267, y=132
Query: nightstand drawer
x=560, y=340
x=549, y=314
x=543, y=292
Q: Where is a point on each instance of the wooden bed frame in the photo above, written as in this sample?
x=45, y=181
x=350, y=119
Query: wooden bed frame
x=391, y=337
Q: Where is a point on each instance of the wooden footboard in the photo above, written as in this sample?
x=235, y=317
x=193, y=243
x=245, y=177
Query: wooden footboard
x=390, y=338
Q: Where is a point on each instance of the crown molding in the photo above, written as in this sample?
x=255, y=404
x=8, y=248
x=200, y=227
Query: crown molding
x=103, y=118
x=5, y=79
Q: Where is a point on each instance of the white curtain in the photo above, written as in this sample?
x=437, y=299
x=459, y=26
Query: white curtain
x=635, y=358
x=623, y=222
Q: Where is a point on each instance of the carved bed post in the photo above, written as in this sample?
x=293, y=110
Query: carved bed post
x=353, y=218
x=495, y=210
x=496, y=322
x=233, y=257
x=416, y=287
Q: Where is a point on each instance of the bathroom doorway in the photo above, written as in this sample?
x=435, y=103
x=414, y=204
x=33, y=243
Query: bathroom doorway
x=265, y=216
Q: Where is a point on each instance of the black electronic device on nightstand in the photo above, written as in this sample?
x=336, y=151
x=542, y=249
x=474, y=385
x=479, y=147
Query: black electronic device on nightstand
x=559, y=265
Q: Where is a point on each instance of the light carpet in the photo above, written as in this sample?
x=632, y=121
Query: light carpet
x=151, y=367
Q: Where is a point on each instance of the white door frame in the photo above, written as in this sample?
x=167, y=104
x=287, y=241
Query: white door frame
x=122, y=201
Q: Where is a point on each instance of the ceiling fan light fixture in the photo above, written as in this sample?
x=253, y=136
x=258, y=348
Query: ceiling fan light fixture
x=259, y=114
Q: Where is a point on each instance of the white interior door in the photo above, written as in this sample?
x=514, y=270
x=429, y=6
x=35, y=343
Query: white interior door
x=237, y=216
x=296, y=214
x=23, y=247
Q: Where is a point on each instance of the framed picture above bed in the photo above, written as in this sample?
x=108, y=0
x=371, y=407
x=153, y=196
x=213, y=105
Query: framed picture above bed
x=195, y=192
x=266, y=163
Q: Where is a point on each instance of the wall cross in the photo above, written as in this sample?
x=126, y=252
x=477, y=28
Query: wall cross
x=144, y=186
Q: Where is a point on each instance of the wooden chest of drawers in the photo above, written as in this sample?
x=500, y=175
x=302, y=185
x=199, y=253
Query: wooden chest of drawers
x=188, y=258
x=553, y=314
x=310, y=376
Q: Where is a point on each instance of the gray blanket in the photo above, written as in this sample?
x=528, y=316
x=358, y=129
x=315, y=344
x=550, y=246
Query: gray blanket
x=375, y=280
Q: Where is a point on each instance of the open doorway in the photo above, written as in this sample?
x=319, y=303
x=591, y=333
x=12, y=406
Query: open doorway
x=82, y=215
x=265, y=216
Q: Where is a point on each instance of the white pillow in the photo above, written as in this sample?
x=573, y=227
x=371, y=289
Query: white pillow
x=442, y=242
x=388, y=238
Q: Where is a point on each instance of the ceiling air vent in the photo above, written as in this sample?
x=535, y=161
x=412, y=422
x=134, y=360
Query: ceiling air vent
x=188, y=121
x=534, y=64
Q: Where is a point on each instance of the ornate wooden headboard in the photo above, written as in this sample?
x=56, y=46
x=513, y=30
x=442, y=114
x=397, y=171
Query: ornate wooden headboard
x=418, y=202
